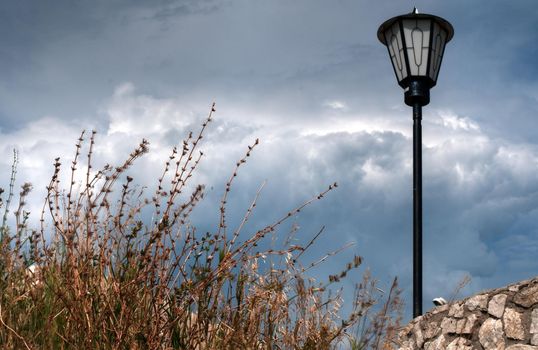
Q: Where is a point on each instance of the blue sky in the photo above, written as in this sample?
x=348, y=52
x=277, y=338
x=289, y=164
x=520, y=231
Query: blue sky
x=311, y=81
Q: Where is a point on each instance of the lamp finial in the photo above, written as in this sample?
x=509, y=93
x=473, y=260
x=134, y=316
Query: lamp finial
x=415, y=11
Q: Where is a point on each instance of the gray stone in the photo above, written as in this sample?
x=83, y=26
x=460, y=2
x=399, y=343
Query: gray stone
x=405, y=332
x=407, y=345
x=436, y=344
x=496, y=305
x=534, y=339
x=502, y=319
x=459, y=344
x=448, y=325
x=513, y=325
x=514, y=288
x=527, y=296
x=491, y=335
x=534, y=321
x=477, y=302
x=419, y=339
x=456, y=310
x=439, y=309
x=431, y=330
x=465, y=326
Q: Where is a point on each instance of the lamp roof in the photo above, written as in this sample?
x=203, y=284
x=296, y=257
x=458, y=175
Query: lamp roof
x=415, y=15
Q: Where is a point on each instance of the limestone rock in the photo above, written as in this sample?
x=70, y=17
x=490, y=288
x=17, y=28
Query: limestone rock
x=407, y=345
x=514, y=288
x=436, y=344
x=465, y=326
x=491, y=335
x=534, y=339
x=405, y=332
x=496, y=305
x=448, y=325
x=459, y=344
x=477, y=302
x=431, y=330
x=501, y=319
x=534, y=321
x=439, y=309
x=456, y=310
x=513, y=325
x=419, y=339
x=527, y=296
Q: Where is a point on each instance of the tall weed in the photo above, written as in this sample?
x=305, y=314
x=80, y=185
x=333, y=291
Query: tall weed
x=96, y=275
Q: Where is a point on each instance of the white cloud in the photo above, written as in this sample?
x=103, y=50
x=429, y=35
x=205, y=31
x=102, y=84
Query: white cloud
x=142, y=115
x=455, y=122
x=477, y=189
x=336, y=105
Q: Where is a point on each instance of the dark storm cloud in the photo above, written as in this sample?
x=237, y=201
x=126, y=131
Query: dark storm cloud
x=171, y=9
x=488, y=69
x=292, y=54
x=81, y=49
x=473, y=202
x=78, y=52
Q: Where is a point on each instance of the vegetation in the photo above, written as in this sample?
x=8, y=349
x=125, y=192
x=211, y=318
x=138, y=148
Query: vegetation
x=97, y=275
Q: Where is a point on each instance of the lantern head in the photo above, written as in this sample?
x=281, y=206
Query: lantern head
x=416, y=43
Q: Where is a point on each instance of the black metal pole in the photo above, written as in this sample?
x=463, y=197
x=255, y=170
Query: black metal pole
x=417, y=209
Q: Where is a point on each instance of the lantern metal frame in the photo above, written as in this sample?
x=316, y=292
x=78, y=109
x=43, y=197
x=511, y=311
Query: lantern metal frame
x=440, y=32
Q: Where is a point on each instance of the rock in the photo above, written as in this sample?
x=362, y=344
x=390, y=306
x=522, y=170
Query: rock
x=496, y=305
x=448, y=325
x=439, y=309
x=407, y=345
x=459, y=344
x=477, y=302
x=534, y=339
x=513, y=325
x=436, y=344
x=431, y=329
x=456, y=310
x=527, y=296
x=501, y=319
x=514, y=288
x=491, y=335
x=466, y=325
x=405, y=332
x=534, y=321
x=419, y=339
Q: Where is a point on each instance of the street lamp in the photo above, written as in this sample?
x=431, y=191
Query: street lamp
x=416, y=43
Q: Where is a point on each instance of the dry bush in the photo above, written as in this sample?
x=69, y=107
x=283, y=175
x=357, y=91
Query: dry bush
x=94, y=275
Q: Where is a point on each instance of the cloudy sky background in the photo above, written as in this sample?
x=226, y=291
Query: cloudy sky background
x=311, y=81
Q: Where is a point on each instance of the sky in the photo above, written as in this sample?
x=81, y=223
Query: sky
x=310, y=80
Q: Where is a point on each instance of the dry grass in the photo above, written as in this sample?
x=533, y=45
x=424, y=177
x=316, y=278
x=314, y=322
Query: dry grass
x=94, y=275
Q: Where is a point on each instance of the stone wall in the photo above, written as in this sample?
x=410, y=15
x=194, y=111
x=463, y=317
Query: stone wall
x=499, y=319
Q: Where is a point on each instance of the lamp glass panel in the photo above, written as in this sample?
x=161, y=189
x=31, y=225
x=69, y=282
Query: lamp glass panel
x=417, y=41
x=394, y=42
x=437, y=50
